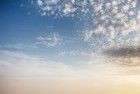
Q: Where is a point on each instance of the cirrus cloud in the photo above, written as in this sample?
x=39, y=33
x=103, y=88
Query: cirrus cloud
x=51, y=40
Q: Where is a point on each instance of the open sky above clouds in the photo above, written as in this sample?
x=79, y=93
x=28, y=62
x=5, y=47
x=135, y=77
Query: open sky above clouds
x=44, y=43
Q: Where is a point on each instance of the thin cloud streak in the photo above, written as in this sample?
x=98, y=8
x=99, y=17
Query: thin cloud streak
x=51, y=40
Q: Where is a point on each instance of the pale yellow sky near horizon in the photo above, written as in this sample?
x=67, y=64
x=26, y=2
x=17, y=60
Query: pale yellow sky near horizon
x=41, y=80
x=22, y=74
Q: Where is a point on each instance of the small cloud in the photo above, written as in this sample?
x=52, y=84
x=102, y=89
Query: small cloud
x=39, y=2
x=68, y=9
x=74, y=53
x=51, y=40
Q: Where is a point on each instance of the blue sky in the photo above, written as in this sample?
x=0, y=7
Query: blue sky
x=30, y=27
x=21, y=24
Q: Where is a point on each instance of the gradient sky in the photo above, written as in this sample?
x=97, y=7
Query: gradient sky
x=68, y=46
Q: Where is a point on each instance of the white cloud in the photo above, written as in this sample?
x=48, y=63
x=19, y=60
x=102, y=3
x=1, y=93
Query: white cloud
x=51, y=40
x=68, y=9
x=117, y=14
x=40, y=2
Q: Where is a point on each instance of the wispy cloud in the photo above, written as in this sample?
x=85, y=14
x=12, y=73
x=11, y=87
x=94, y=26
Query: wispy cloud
x=22, y=64
x=51, y=40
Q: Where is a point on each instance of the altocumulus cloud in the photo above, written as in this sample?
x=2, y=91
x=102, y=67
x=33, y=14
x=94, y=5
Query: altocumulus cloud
x=109, y=17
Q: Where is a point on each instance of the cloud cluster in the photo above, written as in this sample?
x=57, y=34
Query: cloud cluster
x=109, y=16
x=113, y=17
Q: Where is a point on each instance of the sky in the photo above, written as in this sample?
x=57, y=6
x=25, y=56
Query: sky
x=23, y=28
x=70, y=28
x=44, y=43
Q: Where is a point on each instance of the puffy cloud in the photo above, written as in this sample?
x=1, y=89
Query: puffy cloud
x=68, y=9
x=51, y=40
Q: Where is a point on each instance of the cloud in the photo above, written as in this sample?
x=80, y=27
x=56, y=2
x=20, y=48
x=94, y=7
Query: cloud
x=19, y=64
x=118, y=14
x=68, y=9
x=72, y=53
x=51, y=40
x=113, y=20
x=123, y=52
x=129, y=55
